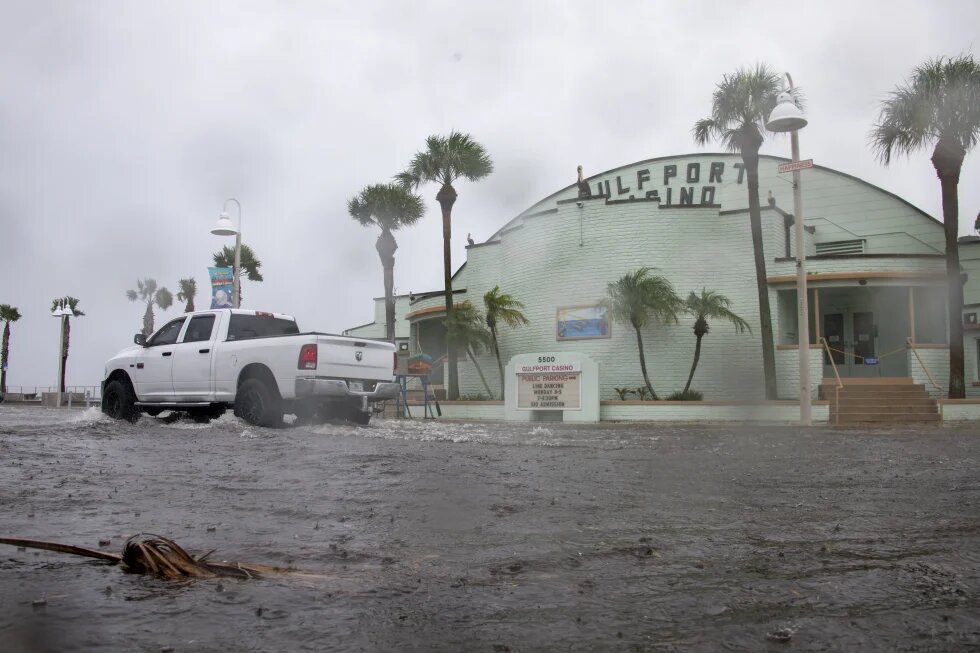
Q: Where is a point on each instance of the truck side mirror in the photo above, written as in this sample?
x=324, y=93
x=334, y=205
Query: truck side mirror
x=140, y=339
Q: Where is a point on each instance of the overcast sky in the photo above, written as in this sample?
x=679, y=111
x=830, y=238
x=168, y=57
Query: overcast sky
x=125, y=125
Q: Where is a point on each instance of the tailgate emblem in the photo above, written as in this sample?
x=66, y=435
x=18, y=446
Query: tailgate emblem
x=358, y=355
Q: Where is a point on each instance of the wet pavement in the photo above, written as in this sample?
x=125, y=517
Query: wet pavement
x=450, y=536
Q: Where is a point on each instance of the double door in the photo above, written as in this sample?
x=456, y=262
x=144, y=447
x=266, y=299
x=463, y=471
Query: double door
x=853, y=339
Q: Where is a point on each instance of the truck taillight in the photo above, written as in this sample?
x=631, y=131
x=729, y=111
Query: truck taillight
x=394, y=367
x=307, y=358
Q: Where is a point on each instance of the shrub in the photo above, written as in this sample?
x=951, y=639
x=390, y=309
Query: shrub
x=622, y=392
x=690, y=395
x=477, y=397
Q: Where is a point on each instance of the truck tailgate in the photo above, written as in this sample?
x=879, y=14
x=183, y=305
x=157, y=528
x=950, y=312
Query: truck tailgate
x=349, y=358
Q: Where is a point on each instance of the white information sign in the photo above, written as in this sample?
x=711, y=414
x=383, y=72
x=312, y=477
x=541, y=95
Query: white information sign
x=549, y=390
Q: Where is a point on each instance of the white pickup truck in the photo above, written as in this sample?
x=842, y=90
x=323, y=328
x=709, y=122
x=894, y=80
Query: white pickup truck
x=257, y=362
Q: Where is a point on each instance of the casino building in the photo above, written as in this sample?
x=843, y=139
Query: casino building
x=876, y=274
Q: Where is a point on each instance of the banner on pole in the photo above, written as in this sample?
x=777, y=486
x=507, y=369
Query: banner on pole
x=222, y=285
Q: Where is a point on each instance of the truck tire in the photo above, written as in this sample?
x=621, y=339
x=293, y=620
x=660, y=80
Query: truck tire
x=358, y=416
x=119, y=402
x=257, y=404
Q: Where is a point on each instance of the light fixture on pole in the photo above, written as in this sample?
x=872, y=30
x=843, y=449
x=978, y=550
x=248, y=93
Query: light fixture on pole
x=224, y=227
x=787, y=117
x=61, y=312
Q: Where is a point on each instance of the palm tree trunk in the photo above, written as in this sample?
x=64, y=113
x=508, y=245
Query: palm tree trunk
x=751, y=159
x=496, y=352
x=643, y=363
x=66, y=334
x=386, y=247
x=4, y=353
x=148, y=319
x=694, y=365
x=446, y=198
x=469, y=352
x=948, y=161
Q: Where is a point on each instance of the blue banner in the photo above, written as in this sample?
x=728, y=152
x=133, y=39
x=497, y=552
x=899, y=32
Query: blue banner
x=222, y=285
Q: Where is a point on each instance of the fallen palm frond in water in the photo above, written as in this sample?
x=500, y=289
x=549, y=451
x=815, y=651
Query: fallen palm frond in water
x=145, y=553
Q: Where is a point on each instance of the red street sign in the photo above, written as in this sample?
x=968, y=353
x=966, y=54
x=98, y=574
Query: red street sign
x=795, y=165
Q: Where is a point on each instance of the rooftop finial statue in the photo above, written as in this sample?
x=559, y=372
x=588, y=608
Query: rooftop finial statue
x=583, y=186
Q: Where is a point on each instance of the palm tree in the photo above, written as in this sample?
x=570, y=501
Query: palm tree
x=639, y=299
x=249, y=264
x=147, y=291
x=444, y=160
x=188, y=290
x=467, y=329
x=389, y=207
x=709, y=304
x=740, y=106
x=8, y=314
x=502, y=307
x=71, y=304
x=941, y=105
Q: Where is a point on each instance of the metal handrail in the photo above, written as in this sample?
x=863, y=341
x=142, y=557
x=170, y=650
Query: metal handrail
x=932, y=380
x=840, y=384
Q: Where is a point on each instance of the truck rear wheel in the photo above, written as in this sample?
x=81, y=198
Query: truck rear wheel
x=119, y=402
x=358, y=416
x=257, y=404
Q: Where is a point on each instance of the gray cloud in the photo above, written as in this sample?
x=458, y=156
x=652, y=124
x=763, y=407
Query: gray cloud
x=124, y=126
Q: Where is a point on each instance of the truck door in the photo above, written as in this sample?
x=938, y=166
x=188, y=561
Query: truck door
x=192, y=360
x=154, y=364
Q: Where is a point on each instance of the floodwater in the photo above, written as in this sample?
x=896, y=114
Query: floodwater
x=450, y=536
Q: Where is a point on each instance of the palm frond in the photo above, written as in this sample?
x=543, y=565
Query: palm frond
x=941, y=101
x=389, y=206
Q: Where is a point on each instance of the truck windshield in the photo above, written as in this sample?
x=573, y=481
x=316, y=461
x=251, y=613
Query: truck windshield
x=243, y=327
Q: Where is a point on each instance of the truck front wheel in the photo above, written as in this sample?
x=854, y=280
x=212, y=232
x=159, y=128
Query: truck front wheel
x=119, y=402
x=257, y=404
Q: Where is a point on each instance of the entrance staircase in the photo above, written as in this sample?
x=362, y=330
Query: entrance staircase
x=881, y=400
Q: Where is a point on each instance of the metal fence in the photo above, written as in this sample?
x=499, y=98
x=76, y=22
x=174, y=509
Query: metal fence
x=78, y=394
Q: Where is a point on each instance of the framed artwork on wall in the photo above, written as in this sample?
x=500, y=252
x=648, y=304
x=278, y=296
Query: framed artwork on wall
x=582, y=322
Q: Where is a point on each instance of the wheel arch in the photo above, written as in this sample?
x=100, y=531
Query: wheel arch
x=260, y=372
x=119, y=375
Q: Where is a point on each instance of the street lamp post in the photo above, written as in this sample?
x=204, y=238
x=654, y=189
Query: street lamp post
x=61, y=312
x=787, y=117
x=224, y=227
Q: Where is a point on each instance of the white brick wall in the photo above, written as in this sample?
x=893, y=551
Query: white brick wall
x=937, y=360
x=788, y=372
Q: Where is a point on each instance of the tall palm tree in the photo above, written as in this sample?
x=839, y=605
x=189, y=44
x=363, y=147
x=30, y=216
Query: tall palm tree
x=940, y=104
x=388, y=207
x=249, y=264
x=709, y=304
x=740, y=106
x=639, y=299
x=444, y=160
x=467, y=329
x=8, y=314
x=71, y=304
x=147, y=291
x=187, y=293
x=502, y=307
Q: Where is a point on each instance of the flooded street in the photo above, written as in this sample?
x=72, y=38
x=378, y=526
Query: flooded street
x=429, y=535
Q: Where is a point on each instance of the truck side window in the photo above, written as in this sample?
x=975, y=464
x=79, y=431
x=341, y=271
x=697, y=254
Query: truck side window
x=167, y=335
x=199, y=329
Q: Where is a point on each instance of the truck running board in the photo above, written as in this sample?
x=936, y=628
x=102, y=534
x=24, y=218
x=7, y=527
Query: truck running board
x=173, y=404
